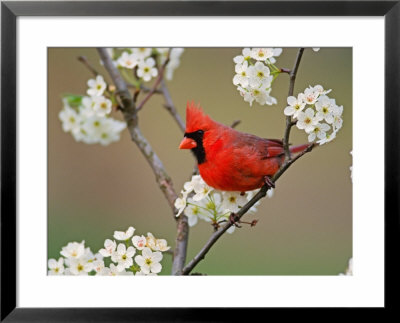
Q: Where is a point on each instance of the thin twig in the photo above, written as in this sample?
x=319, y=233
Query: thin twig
x=169, y=105
x=285, y=70
x=235, y=123
x=156, y=83
x=289, y=122
x=85, y=62
x=145, y=89
x=263, y=191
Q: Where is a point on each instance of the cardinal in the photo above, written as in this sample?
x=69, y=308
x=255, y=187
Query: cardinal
x=230, y=160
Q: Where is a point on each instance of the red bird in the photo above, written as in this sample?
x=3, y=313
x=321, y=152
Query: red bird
x=230, y=160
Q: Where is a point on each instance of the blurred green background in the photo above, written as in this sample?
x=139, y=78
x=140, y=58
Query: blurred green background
x=305, y=229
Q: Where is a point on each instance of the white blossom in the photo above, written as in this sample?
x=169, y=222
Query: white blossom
x=246, y=55
x=259, y=76
x=192, y=212
x=295, y=105
x=124, y=235
x=180, y=203
x=139, y=242
x=141, y=53
x=70, y=119
x=319, y=131
x=201, y=189
x=98, y=266
x=149, y=261
x=128, y=60
x=74, y=250
x=147, y=70
x=56, y=267
x=101, y=105
x=109, y=248
x=162, y=245
x=241, y=76
x=263, y=54
x=96, y=86
x=79, y=267
x=325, y=107
x=151, y=241
x=329, y=137
x=306, y=120
x=246, y=95
x=123, y=256
x=233, y=201
x=310, y=95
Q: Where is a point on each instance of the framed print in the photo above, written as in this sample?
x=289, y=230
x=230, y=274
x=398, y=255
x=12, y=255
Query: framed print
x=101, y=103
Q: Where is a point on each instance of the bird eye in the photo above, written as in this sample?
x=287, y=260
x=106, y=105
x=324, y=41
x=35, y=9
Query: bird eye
x=200, y=132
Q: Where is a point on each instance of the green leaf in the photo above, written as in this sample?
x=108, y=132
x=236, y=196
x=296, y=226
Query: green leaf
x=74, y=101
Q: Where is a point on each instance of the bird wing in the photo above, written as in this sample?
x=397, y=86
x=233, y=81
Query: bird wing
x=260, y=147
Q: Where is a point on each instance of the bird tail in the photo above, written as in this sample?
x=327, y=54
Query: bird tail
x=300, y=148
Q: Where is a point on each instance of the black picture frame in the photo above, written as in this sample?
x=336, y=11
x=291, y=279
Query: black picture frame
x=11, y=10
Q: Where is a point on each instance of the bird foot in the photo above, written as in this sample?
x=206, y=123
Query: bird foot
x=269, y=182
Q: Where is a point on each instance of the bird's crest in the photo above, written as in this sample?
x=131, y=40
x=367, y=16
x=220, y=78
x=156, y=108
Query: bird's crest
x=196, y=119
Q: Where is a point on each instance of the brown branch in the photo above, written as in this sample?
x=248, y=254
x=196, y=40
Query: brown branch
x=169, y=105
x=263, y=191
x=260, y=194
x=129, y=111
x=285, y=70
x=156, y=83
x=145, y=89
x=164, y=181
x=235, y=123
x=289, y=122
x=85, y=62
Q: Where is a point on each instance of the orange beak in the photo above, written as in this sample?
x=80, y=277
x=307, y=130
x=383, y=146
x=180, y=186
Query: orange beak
x=187, y=143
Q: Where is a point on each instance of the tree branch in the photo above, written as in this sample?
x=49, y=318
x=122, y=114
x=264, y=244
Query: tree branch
x=169, y=105
x=263, y=191
x=156, y=83
x=260, y=194
x=289, y=122
x=130, y=115
x=85, y=62
x=164, y=181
